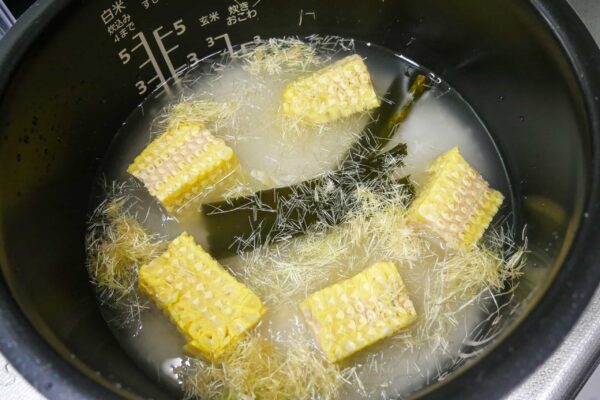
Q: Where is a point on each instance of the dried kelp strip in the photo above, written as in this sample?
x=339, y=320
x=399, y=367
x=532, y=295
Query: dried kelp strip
x=272, y=215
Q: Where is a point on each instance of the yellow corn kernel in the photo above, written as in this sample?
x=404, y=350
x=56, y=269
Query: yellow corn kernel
x=338, y=90
x=182, y=163
x=207, y=304
x=355, y=313
x=456, y=203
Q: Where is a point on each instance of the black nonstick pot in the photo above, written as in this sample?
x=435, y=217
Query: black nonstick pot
x=71, y=71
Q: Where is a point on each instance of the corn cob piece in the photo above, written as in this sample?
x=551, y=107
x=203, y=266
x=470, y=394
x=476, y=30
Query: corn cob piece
x=336, y=91
x=456, y=203
x=355, y=313
x=182, y=163
x=206, y=303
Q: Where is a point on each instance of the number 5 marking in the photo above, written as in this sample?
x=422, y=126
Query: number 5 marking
x=179, y=27
x=124, y=56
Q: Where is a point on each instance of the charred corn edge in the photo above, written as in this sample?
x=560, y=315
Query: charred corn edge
x=315, y=84
x=323, y=321
x=178, y=303
x=478, y=221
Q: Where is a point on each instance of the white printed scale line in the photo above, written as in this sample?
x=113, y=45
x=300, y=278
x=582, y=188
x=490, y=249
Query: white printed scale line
x=165, y=52
x=143, y=42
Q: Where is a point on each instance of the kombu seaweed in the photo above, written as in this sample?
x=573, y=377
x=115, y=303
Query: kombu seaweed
x=276, y=214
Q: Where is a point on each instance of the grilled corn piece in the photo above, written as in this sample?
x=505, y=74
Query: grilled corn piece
x=206, y=303
x=336, y=91
x=456, y=203
x=182, y=163
x=355, y=313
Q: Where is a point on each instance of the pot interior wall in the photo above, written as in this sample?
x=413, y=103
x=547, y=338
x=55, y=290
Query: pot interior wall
x=72, y=91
